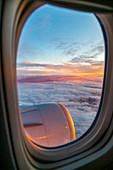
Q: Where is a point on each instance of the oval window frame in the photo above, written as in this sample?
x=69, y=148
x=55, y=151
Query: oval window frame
x=68, y=150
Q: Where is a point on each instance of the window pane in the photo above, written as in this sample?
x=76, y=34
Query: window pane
x=60, y=68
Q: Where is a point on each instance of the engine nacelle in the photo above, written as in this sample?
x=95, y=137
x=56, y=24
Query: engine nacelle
x=49, y=125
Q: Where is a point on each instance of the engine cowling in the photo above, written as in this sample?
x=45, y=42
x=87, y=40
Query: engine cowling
x=48, y=125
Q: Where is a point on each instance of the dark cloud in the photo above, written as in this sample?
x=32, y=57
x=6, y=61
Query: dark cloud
x=96, y=63
x=77, y=51
x=67, y=46
x=38, y=79
x=89, y=57
x=31, y=64
x=98, y=49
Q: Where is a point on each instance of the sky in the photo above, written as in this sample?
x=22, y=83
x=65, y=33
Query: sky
x=58, y=44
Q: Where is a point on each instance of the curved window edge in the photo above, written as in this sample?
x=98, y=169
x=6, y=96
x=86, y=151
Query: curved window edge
x=66, y=151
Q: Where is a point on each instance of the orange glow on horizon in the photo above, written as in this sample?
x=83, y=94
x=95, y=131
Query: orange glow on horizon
x=89, y=74
x=98, y=77
x=64, y=69
x=62, y=72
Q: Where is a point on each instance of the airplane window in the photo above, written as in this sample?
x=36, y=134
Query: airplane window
x=60, y=69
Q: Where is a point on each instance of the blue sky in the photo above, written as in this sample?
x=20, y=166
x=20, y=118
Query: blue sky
x=58, y=36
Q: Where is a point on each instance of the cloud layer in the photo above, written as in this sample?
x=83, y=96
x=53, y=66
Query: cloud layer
x=83, y=65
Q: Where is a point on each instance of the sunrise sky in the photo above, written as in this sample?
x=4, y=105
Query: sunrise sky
x=58, y=44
